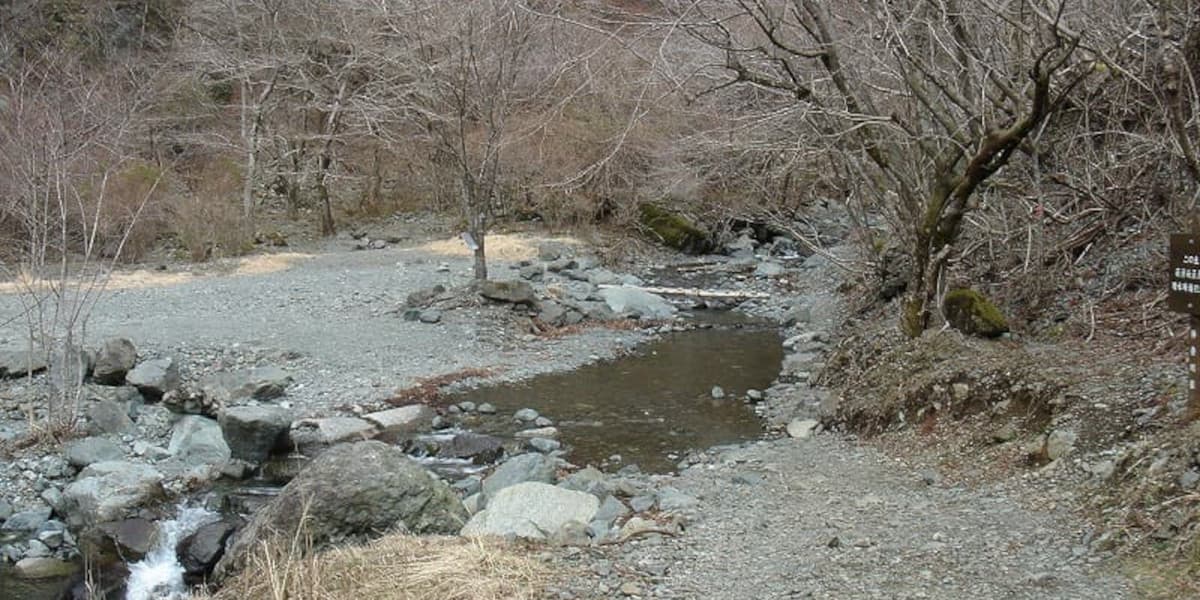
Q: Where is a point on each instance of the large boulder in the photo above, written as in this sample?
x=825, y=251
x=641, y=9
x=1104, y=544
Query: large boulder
x=970, y=312
x=520, y=469
x=108, y=491
x=27, y=521
x=83, y=452
x=132, y=539
x=674, y=230
x=43, y=567
x=513, y=292
x=114, y=360
x=252, y=432
x=627, y=300
x=402, y=420
x=19, y=363
x=532, y=510
x=199, y=552
x=313, y=436
x=353, y=491
x=481, y=449
x=259, y=383
x=198, y=440
x=109, y=416
x=153, y=378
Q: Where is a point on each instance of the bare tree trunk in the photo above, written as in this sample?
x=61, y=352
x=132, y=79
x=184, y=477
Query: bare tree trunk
x=481, y=270
x=327, y=227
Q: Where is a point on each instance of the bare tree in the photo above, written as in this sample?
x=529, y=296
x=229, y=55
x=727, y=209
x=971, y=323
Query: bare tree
x=926, y=100
x=471, y=67
x=71, y=191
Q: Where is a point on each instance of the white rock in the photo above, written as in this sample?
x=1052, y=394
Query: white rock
x=405, y=419
x=531, y=510
x=802, y=428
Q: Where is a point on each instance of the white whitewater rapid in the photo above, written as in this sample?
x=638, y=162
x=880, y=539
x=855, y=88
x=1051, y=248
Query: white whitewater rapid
x=159, y=576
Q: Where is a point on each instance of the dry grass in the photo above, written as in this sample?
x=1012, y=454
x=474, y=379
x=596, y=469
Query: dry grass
x=396, y=567
x=500, y=246
x=143, y=278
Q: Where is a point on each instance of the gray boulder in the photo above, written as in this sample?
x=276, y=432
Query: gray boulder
x=109, y=417
x=543, y=445
x=199, y=552
x=27, y=521
x=252, y=432
x=153, y=378
x=422, y=298
x=532, y=510
x=19, y=363
x=107, y=491
x=114, y=359
x=519, y=469
x=590, y=480
x=610, y=510
x=313, y=436
x=402, y=420
x=512, y=292
x=6, y=510
x=198, y=440
x=481, y=449
x=768, y=269
x=526, y=415
x=81, y=453
x=259, y=383
x=131, y=538
x=71, y=366
x=353, y=491
x=43, y=567
x=626, y=300
x=550, y=251
x=552, y=313
x=533, y=272
x=603, y=277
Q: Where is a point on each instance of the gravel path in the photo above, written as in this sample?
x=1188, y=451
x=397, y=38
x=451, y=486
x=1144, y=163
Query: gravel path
x=822, y=518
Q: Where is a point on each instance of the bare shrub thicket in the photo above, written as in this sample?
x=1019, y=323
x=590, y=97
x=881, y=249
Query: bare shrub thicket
x=72, y=193
x=921, y=102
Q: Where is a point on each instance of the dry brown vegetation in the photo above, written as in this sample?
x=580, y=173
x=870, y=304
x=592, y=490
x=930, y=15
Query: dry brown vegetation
x=1038, y=151
x=394, y=567
x=428, y=390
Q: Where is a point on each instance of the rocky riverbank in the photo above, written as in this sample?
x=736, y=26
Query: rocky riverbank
x=161, y=418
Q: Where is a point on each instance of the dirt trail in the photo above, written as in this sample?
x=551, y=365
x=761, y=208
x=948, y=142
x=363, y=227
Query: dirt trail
x=822, y=518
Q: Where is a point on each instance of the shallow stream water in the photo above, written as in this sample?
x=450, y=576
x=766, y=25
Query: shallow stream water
x=647, y=408
x=654, y=405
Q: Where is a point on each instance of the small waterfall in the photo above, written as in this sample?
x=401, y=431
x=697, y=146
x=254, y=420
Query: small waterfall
x=159, y=576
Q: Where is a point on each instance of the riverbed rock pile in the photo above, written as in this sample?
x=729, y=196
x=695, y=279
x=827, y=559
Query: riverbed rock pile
x=560, y=288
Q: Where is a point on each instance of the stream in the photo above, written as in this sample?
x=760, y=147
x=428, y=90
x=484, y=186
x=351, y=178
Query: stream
x=647, y=408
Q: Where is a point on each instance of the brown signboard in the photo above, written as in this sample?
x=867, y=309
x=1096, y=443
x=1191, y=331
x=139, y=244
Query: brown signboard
x=1183, y=295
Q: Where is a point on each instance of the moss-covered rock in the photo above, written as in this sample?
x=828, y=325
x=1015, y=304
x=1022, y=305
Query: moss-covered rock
x=970, y=312
x=674, y=230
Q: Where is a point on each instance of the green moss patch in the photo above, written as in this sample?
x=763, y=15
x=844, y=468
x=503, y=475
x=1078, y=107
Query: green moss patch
x=674, y=230
x=970, y=312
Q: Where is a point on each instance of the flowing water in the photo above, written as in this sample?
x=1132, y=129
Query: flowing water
x=649, y=407
x=159, y=576
x=652, y=406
